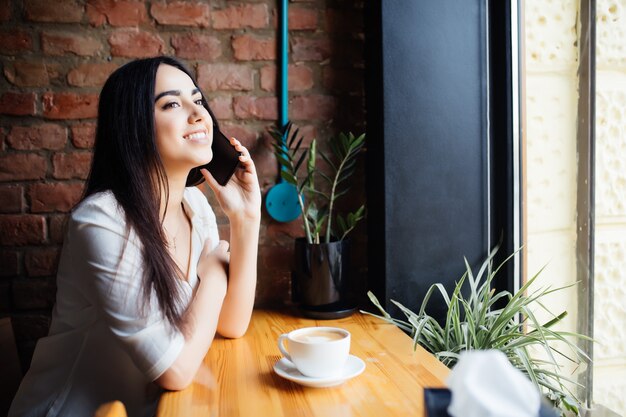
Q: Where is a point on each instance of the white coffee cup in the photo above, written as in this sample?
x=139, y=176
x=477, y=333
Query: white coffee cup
x=317, y=352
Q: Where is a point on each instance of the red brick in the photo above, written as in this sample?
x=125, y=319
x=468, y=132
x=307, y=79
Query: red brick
x=248, y=48
x=57, y=226
x=5, y=11
x=62, y=11
x=18, y=104
x=27, y=73
x=41, y=262
x=277, y=257
x=313, y=107
x=22, y=166
x=11, y=198
x=133, y=43
x=22, y=229
x=273, y=289
x=90, y=75
x=214, y=77
x=9, y=263
x=302, y=19
x=349, y=53
x=264, y=108
x=116, y=12
x=62, y=43
x=71, y=165
x=196, y=46
x=83, y=135
x=14, y=41
x=222, y=107
x=306, y=49
x=265, y=163
x=344, y=21
x=43, y=136
x=343, y=80
x=33, y=293
x=70, y=106
x=183, y=13
x=300, y=78
x=246, y=136
x=278, y=231
x=46, y=198
x=241, y=16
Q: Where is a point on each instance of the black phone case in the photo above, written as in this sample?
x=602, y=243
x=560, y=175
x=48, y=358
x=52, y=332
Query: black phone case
x=225, y=158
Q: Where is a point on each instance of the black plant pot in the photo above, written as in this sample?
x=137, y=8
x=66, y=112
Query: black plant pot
x=320, y=279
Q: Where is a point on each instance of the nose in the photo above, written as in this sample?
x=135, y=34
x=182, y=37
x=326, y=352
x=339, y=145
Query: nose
x=195, y=115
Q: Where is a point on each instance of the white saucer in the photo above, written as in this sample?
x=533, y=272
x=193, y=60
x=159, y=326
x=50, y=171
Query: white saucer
x=286, y=369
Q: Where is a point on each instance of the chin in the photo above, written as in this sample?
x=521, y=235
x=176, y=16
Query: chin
x=208, y=157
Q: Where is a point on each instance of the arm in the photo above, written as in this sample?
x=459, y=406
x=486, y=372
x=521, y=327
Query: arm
x=240, y=199
x=201, y=319
x=239, y=300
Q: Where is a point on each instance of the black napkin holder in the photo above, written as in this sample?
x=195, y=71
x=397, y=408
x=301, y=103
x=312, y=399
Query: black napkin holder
x=437, y=400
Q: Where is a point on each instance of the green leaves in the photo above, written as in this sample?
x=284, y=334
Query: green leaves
x=317, y=203
x=473, y=322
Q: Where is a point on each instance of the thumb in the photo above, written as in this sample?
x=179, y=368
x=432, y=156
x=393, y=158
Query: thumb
x=207, y=248
x=222, y=247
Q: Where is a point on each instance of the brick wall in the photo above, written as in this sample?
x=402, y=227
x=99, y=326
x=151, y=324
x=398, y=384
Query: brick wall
x=55, y=55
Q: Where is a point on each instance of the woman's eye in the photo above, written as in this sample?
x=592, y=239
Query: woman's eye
x=200, y=102
x=170, y=105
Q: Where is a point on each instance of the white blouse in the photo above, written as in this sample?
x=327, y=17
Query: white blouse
x=105, y=343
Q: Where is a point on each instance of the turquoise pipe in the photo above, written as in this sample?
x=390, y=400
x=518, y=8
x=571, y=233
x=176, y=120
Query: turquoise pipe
x=284, y=47
x=282, y=200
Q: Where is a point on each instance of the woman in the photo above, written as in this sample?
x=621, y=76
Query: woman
x=144, y=283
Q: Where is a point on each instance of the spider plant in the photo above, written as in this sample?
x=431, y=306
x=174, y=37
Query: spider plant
x=478, y=321
x=316, y=203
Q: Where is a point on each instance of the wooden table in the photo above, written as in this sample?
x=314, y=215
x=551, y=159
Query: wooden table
x=391, y=385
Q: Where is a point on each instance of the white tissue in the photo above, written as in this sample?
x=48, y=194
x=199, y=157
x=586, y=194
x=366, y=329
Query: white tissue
x=485, y=384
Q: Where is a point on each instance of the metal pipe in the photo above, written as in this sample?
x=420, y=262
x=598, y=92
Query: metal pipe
x=283, y=71
x=585, y=205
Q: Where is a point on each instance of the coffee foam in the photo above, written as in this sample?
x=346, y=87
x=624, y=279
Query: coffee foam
x=319, y=336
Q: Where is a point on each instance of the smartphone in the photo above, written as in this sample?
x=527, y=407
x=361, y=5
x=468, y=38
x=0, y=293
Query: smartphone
x=225, y=158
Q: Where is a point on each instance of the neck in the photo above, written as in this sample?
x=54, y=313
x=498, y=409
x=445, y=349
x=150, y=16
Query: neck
x=172, y=202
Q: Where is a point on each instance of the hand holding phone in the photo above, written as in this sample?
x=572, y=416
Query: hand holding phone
x=225, y=158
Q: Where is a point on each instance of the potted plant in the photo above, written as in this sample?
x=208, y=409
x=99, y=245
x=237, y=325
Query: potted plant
x=478, y=321
x=321, y=269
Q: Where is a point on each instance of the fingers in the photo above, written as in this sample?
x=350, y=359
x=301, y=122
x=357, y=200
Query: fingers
x=221, y=251
x=207, y=248
x=245, y=159
x=209, y=178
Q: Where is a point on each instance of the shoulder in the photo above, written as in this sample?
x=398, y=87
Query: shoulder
x=101, y=208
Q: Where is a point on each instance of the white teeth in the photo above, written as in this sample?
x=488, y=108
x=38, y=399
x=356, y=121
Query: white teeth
x=196, y=136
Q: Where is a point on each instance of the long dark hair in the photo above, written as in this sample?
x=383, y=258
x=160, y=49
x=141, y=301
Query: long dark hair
x=126, y=162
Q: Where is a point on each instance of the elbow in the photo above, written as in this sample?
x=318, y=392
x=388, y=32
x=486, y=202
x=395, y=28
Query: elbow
x=174, y=379
x=233, y=333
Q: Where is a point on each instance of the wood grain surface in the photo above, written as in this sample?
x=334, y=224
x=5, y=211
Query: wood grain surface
x=237, y=378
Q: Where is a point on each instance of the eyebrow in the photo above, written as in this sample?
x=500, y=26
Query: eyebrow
x=174, y=93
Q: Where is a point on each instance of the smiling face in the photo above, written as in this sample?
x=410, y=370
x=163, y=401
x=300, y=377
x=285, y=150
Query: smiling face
x=183, y=126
